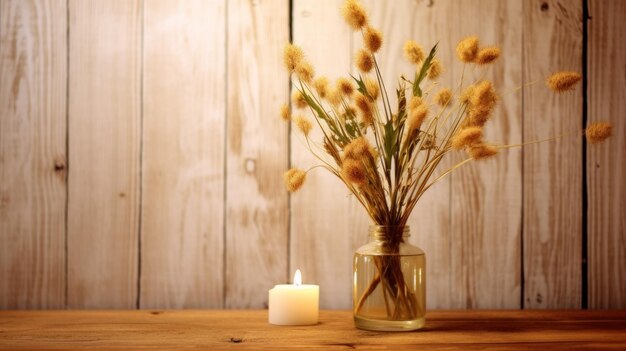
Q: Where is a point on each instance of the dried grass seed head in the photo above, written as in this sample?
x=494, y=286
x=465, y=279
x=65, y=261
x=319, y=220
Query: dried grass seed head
x=417, y=117
x=443, y=97
x=305, y=71
x=435, y=69
x=292, y=56
x=482, y=151
x=358, y=148
x=598, y=132
x=467, y=137
x=364, y=61
x=321, y=86
x=487, y=55
x=372, y=88
x=365, y=108
x=482, y=101
x=285, y=114
x=298, y=99
x=466, y=95
x=413, y=52
x=373, y=39
x=354, y=172
x=563, y=81
x=467, y=49
x=334, y=96
x=294, y=178
x=415, y=102
x=345, y=86
x=303, y=124
x=354, y=14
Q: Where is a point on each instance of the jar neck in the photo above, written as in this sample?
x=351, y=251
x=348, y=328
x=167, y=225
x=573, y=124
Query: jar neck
x=389, y=233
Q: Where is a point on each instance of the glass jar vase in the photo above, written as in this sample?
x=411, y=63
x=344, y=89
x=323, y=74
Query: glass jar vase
x=389, y=282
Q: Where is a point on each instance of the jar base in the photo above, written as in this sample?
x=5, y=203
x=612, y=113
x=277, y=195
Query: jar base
x=386, y=325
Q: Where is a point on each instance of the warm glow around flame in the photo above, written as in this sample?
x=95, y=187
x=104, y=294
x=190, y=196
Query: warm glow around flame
x=297, y=278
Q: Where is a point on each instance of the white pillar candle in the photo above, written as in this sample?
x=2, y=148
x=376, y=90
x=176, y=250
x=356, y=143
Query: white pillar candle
x=294, y=304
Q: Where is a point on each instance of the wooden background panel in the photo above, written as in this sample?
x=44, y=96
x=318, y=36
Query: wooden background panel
x=182, y=235
x=423, y=22
x=606, y=166
x=104, y=141
x=486, y=195
x=33, y=89
x=257, y=151
x=552, y=171
x=327, y=225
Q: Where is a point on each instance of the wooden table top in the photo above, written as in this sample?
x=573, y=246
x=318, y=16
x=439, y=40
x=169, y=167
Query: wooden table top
x=249, y=330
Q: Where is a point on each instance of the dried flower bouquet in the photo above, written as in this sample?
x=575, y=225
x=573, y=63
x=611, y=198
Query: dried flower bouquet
x=386, y=156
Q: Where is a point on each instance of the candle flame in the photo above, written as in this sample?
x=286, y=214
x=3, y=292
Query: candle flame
x=297, y=278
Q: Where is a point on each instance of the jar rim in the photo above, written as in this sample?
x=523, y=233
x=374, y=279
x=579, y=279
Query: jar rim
x=381, y=231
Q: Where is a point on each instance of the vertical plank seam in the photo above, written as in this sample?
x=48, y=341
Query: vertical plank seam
x=224, y=160
x=141, y=110
x=585, y=190
x=289, y=159
x=523, y=197
x=67, y=149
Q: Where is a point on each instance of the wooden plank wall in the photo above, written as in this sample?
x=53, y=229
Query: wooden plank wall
x=33, y=153
x=606, y=166
x=552, y=207
x=104, y=113
x=141, y=155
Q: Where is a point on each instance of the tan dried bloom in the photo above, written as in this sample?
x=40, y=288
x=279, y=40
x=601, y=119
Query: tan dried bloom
x=415, y=102
x=345, y=86
x=372, y=88
x=292, y=56
x=482, y=151
x=482, y=102
x=334, y=96
x=298, y=99
x=305, y=71
x=467, y=137
x=285, y=114
x=467, y=49
x=467, y=94
x=294, y=178
x=303, y=124
x=443, y=97
x=435, y=69
x=373, y=39
x=353, y=171
x=413, y=52
x=563, y=81
x=364, y=61
x=365, y=107
x=354, y=14
x=487, y=55
x=417, y=117
x=321, y=86
x=358, y=148
x=598, y=132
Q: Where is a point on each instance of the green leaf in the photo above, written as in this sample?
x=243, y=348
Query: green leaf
x=417, y=91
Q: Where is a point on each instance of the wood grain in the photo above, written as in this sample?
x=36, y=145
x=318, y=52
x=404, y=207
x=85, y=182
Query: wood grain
x=104, y=142
x=486, y=208
x=182, y=240
x=425, y=23
x=33, y=167
x=606, y=169
x=257, y=152
x=552, y=171
x=249, y=330
x=327, y=225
